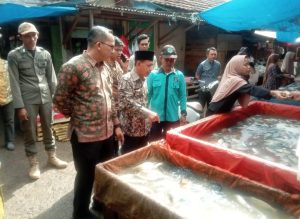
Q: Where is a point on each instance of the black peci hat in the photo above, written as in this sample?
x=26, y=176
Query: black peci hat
x=144, y=55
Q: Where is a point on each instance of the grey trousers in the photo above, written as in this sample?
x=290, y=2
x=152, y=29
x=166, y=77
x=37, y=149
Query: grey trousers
x=7, y=115
x=29, y=127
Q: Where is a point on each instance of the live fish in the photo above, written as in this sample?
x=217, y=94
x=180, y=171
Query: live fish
x=272, y=138
x=193, y=196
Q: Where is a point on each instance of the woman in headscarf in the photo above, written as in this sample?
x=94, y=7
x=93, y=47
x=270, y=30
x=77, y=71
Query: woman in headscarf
x=234, y=86
x=273, y=75
x=287, y=68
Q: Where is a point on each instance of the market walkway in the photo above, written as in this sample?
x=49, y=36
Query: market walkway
x=47, y=198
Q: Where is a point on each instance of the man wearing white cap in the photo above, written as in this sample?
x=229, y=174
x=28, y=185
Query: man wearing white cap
x=33, y=85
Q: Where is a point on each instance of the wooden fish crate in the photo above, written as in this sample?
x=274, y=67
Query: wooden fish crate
x=59, y=127
x=192, y=87
x=60, y=131
x=190, y=139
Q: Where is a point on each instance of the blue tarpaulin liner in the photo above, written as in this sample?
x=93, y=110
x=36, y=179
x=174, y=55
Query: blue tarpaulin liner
x=282, y=16
x=16, y=12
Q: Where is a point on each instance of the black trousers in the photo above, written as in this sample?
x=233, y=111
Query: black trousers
x=204, y=98
x=7, y=115
x=86, y=156
x=133, y=143
x=159, y=130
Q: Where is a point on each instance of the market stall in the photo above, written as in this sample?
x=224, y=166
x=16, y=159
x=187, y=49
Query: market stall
x=155, y=182
x=192, y=140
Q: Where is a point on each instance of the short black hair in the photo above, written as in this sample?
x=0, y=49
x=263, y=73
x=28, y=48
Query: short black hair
x=209, y=49
x=142, y=37
x=97, y=33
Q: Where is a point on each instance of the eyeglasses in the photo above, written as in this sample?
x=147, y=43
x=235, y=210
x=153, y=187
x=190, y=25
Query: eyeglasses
x=111, y=46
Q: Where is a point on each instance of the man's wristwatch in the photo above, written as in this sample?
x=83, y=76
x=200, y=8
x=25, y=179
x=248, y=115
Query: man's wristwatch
x=184, y=114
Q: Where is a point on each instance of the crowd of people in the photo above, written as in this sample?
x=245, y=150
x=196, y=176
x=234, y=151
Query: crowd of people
x=106, y=97
x=235, y=85
x=115, y=104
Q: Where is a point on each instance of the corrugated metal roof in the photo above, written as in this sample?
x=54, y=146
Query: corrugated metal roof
x=191, y=5
x=127, y=10
x=187, y=5
x=173, y=9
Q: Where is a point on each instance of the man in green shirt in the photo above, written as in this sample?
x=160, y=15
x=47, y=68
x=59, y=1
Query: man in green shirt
x=166, y=88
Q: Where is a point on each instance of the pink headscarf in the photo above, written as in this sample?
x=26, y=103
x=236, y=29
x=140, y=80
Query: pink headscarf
x=232, y=81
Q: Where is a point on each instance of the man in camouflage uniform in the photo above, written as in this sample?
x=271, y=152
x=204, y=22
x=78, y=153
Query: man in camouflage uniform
x=33, y=85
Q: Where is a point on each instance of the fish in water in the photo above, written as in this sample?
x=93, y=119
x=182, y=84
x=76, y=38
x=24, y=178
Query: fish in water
x=270, y=138
x=193, y=196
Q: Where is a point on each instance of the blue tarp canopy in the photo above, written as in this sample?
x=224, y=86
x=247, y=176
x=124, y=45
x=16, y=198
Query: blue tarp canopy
x=282, y=16
x=16, y=12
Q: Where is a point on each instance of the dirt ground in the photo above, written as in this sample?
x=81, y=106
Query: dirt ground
x=49, y=197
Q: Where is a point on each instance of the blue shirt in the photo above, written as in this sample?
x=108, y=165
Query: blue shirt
x=208, y=71
x=165, y=92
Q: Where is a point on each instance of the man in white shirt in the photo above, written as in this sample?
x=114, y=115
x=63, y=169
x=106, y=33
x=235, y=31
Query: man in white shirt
x=143, y=41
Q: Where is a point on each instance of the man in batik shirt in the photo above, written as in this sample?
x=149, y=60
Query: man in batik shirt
x=115, y=70
x=135, y=118
x=84, y=93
